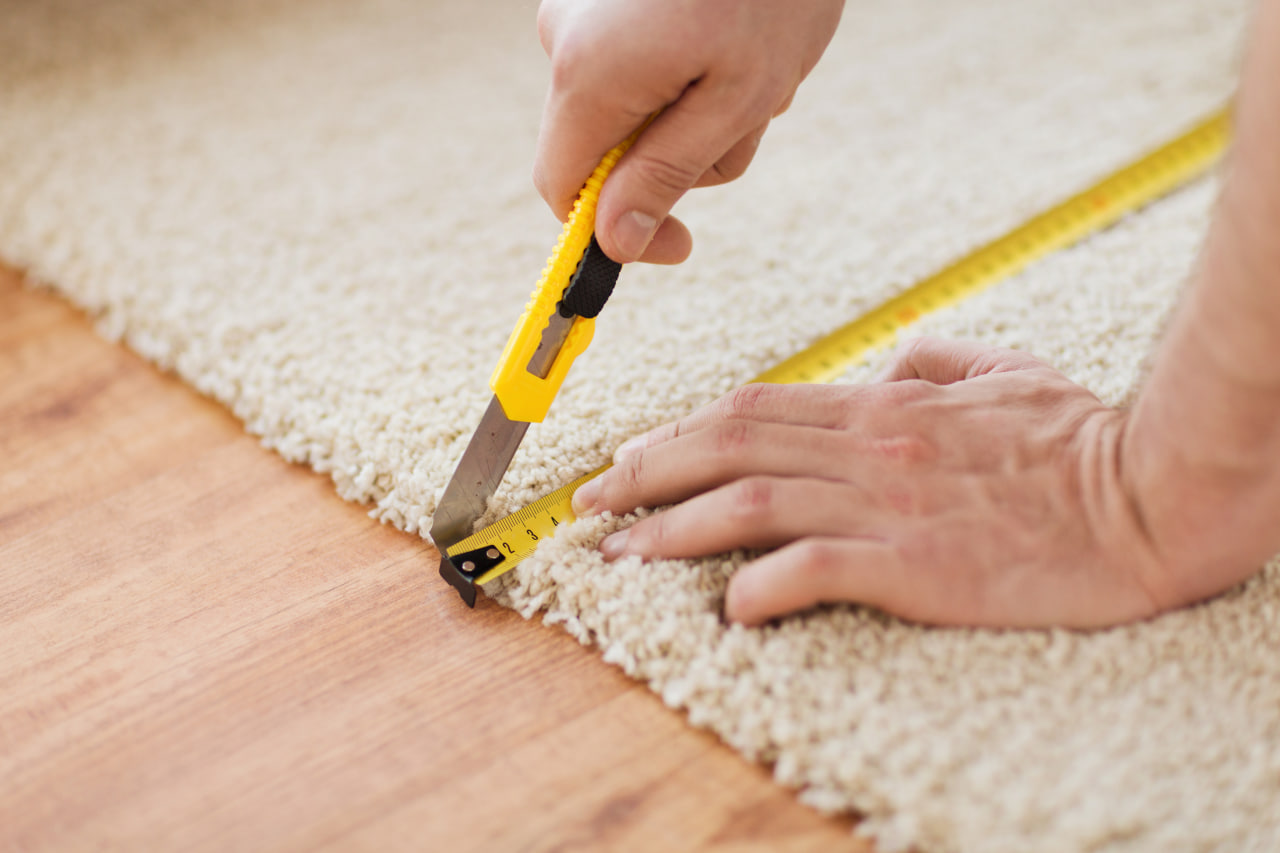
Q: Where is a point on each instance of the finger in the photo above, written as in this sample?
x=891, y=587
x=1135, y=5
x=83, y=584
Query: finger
x=821, y=570
x=668, y=159
x=943, y=362
x=755, y=512
x=575, y=134
x=820, y=406
x=734, y=163
x=712, y=457
x=671, y=245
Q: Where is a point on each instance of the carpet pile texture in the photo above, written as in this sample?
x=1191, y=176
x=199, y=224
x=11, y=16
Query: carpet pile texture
x=320, y=213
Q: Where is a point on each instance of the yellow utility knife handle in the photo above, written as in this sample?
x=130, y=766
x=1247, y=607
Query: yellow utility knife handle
x=525, y=396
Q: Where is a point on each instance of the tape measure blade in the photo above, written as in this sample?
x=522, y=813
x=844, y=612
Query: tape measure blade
x=517, y=535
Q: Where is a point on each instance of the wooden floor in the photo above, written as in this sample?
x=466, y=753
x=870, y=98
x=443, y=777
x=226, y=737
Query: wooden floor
x=203, y=648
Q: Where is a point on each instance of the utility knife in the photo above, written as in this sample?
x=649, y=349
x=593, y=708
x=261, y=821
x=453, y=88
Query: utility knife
x=555, y=328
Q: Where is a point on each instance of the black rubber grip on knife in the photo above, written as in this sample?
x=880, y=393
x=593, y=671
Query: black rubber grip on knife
x=592, y=283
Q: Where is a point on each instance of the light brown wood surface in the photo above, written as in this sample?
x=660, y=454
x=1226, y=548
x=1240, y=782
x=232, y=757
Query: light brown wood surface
x=204, y=648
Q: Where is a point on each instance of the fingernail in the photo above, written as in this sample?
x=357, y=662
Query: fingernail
x=614, y=544
x=633, y=232
x=584, y=499
x=628, y=447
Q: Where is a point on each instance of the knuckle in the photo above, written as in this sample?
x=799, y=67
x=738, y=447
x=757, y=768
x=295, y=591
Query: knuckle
x=907, y=449
x=907, y=391
x=747, y=401
x=996, y=361
x=916, y=347
x=846, y=403
x=1016, y=359
x=546, y=25
x=814, y=561
x=653, y=533
x=753, y=499
x=571, y=57
x=630, y=477
x=663, y=175
x=730, y=438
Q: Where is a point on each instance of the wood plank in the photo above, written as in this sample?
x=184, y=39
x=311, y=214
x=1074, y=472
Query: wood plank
x=202, y=647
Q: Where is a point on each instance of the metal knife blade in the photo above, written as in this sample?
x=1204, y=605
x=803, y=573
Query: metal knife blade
x=490, y=451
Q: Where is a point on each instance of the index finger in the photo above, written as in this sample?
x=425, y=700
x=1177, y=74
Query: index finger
x=800, y=405
x=576, y=132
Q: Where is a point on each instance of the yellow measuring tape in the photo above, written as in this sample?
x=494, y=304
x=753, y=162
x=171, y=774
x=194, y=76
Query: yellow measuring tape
x=1132, y=187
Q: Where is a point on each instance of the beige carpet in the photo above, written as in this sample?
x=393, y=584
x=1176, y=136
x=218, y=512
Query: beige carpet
x=320, y=213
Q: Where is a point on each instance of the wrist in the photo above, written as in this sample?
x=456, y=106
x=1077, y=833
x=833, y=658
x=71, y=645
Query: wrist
x=1200, y=460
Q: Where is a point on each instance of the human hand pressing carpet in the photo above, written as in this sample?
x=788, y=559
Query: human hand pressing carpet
x=979, y=486
x=972, y=486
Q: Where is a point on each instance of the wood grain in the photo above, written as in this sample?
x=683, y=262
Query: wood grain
x=204, y=648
